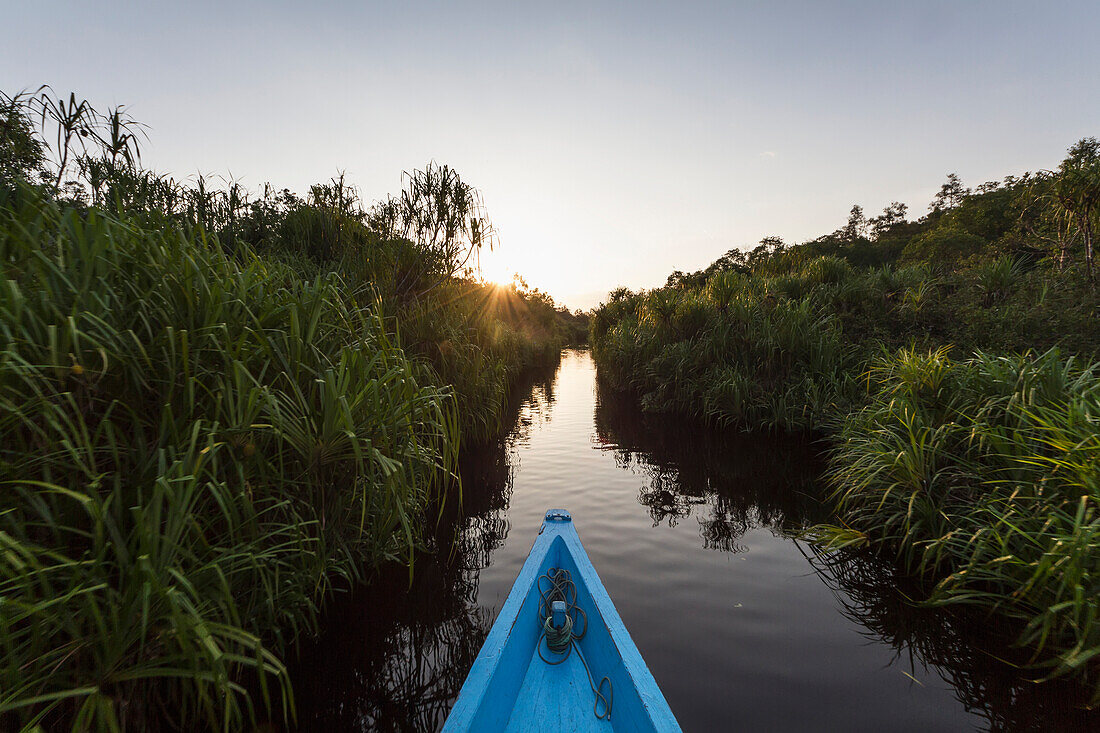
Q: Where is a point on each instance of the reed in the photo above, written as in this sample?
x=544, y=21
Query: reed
x=197, y=448
x=982, y=474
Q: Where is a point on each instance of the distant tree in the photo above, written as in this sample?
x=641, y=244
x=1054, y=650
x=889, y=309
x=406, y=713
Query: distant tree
x=22, y=155
x=990, y=215
x=620, y=294
x=950, y=195
x=687, y=280
x=734, y=259
x=1042, y=217
x=768, y=248
x=892, y=216
x=1077, y=190
x=857, y=226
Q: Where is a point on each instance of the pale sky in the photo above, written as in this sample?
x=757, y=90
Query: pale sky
x=613, y=143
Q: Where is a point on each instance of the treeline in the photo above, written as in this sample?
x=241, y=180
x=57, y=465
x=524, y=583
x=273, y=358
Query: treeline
x=948, y=360
x=216, y=406
x=1048, y=216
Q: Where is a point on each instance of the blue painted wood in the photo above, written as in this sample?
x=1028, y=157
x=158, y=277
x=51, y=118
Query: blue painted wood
x=509, y=688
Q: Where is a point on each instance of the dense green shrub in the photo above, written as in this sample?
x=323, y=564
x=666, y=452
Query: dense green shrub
x=945, y=246
x=984, y=474
x=216, y=406
x=743, y=352
x=196, y=447
x=814, y=329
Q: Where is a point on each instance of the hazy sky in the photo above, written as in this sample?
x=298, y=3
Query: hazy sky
x=613, y=143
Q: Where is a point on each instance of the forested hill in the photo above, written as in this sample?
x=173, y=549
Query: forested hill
x=1034, y=216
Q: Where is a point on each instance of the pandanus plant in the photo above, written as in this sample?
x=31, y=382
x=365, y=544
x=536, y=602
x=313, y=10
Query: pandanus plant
x=444, y=218
x=80, y=131
x=660, y=306
x=723, y=287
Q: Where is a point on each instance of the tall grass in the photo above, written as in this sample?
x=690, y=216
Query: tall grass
x=216, y=406
x=196, y=448
x=984, y=474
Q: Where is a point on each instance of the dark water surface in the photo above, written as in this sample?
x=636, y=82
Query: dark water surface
x=693, y=533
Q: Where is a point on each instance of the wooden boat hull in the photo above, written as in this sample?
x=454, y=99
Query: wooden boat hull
x=512, y=688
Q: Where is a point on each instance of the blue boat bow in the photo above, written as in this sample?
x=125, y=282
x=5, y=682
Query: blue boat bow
x=520, y=683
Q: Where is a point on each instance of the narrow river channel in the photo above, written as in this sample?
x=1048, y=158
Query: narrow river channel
x=693, y=532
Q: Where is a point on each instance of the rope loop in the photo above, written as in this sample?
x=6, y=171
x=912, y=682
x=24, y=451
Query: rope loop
x=562, y=641
x=558, y=640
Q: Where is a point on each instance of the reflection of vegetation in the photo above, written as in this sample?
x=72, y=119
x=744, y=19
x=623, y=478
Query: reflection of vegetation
x=535, y=408
x=735, y=482
x=400, y=670
x=742, y=481
x=966, y=651
x=403, y=669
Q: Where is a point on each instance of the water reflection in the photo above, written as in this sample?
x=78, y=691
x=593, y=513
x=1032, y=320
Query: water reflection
x=480, y=521
x=731, y=482
x=393, y=655
x=974, y=656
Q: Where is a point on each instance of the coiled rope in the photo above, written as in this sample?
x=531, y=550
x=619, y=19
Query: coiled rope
x=562, y=641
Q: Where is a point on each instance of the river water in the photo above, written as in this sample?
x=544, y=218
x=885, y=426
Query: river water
x=694, y=534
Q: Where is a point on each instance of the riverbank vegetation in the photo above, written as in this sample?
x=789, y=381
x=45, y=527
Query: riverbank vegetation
x=948, y=360
x=218, y=406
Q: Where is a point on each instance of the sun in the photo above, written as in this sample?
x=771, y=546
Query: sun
x=496, y=272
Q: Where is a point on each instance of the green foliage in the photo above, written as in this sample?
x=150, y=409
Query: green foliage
x=216, y=407
x=995, y=280
x=1077, y=190
x=22, y=155
x=1045, y=215
x=983, y=474
x=196, y=448
x=814, y=330
x=980, y=475
x=826, y=270
x=444, y=216
x=944, y=246
x=745, y=351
